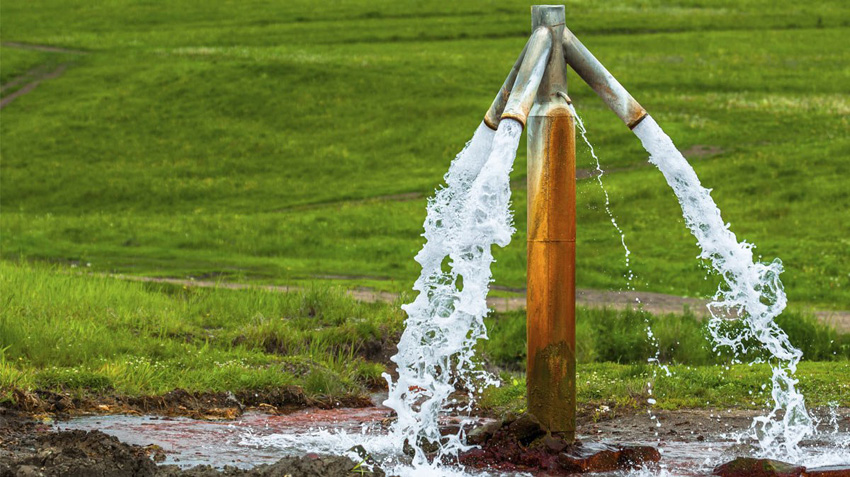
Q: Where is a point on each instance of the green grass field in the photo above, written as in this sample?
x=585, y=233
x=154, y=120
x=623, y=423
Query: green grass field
x=96, y=336
x=261, y=140
x=295, y=142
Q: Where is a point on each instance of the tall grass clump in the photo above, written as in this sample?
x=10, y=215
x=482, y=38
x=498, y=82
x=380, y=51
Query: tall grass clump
x=620, y=336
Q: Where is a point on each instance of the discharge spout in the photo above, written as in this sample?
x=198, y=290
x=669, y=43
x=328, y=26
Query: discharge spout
x=529, y=75
x=605, y=85
x=494, y=114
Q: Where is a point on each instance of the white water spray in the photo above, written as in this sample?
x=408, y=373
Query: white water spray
x=435, y=352
x=752, y=291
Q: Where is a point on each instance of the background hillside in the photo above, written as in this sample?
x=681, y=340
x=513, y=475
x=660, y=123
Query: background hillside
x=296, y=141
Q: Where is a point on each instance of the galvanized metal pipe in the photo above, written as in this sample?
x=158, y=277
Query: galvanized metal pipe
x=605, y=85
x=530, y=74
x=494, y=114
x=551, y=241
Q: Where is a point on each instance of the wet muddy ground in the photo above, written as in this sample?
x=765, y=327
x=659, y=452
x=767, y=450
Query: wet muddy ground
x=267, y=442
x=29, y=448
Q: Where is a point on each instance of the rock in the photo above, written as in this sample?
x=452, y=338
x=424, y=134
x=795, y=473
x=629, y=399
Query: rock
x=428, y=447
x=508, y=418
x=450, y=430
x=483, y=433
x=27, y=471
x=752, y=467
x=553, y=444
x=526, y=429
x=632, y=457
x=231, y=398
x=326, y=466
x=830, y=471
x=590, y=458
x=555, y=456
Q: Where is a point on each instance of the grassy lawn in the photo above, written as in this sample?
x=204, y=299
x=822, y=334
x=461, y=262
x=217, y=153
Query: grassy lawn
x=260, y=140
x=95, y=336
x=101, y=335
x=624, y=387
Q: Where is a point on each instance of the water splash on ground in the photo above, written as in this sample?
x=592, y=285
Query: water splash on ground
x=255, y=438
x=752, y=291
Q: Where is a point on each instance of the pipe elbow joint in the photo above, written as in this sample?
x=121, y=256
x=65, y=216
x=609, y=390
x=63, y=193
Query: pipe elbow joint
x=529, y=76
x=606, y=86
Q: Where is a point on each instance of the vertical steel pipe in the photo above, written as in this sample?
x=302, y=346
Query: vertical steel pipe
x=551, y=241
x=605, y=85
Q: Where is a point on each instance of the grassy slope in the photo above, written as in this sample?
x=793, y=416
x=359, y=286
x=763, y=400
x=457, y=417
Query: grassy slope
x=192, y=137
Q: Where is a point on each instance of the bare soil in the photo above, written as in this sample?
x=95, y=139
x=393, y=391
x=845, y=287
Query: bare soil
x=179, y=402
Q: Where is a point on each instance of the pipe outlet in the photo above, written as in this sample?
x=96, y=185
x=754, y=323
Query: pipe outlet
x=529, y=76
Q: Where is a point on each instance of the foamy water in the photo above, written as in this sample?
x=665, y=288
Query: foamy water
x=751, y=289
x=435, y=352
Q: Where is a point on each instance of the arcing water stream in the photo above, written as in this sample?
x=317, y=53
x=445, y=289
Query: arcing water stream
x=435, y=353
x=752, y=291
x=471, y=214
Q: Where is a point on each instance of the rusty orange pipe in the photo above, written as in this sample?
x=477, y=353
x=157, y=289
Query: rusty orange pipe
x=551, y=241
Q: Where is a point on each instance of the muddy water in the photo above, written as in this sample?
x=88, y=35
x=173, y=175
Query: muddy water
x=692, y=442
x=189, y=442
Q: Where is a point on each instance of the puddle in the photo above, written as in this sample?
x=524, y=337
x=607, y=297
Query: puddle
x=257, y=438
x=189, y=442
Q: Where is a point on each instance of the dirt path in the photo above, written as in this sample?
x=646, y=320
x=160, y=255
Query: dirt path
x=32, y=78
x=657, y=303
x=34, y=81
x=47, y=48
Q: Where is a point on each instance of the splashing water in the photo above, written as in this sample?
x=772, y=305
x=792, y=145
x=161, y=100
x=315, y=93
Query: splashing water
x=435, y=352
x=752, y=291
